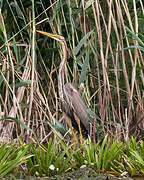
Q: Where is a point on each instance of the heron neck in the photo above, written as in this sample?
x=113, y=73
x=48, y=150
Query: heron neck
x=61, y=71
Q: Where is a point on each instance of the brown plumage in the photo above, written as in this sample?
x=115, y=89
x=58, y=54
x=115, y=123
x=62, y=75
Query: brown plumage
x=75, y=106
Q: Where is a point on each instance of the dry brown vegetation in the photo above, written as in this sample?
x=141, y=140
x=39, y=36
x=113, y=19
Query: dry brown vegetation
x=106, y=45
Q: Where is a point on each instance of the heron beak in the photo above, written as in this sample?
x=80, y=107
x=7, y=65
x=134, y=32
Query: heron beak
x=53, y=36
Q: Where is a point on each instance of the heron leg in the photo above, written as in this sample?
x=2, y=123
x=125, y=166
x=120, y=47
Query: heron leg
x=74, y=136
x=78, y=122
x=81, y=137
x=71, y=128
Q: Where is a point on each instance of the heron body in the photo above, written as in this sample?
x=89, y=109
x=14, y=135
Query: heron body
x=70, y=99
x=75, y=107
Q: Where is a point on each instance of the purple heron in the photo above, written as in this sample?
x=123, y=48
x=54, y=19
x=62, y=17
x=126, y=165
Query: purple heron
x=72, y=104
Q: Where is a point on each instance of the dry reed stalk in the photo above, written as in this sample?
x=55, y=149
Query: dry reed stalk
x=115, y=64
x=42, y=104
x=33, y=67
x=108, y=46
x=96, y=15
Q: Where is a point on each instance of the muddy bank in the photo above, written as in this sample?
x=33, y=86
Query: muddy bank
x=86, y=173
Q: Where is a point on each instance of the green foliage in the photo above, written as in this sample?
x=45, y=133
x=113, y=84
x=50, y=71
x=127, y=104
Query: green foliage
x=50, y=160
x=12, y=157
x=81, y=43
x=112, y=156
x=109, y=155
x=84, y=69
x=134, y=157
x=101, y=155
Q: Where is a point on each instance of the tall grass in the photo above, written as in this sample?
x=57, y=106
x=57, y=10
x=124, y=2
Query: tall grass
x=106, y=53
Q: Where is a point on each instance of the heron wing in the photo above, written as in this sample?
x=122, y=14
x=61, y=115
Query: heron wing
x=76, y=104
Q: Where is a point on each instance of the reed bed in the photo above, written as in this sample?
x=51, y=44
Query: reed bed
x=105, y=41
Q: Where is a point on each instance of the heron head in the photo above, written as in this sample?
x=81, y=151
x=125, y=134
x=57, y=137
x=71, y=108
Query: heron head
x=53, y=36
